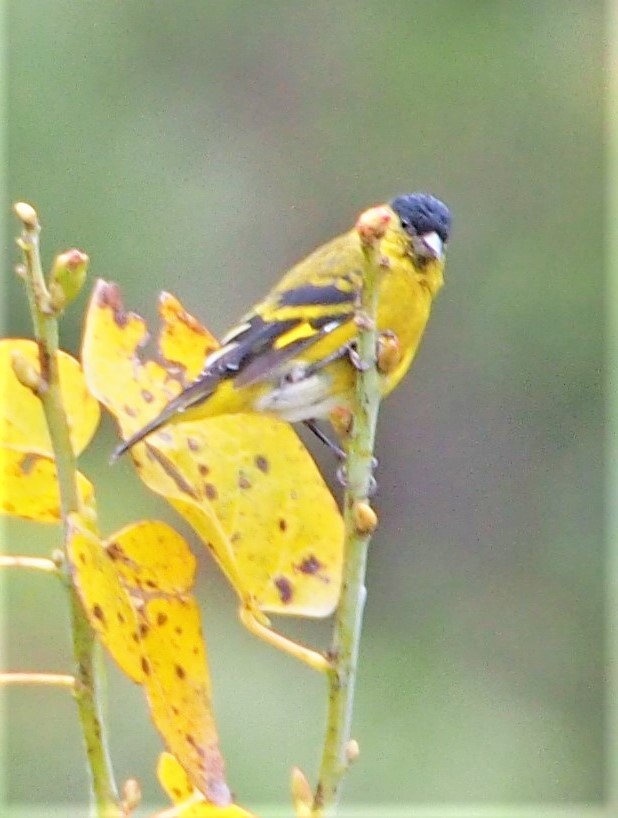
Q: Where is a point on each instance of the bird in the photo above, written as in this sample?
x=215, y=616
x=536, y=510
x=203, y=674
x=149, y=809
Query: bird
x=290, y=356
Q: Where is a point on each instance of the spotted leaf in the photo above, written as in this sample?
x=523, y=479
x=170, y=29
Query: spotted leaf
x=244, y=482
x=22, y=422
x=29, y=487
x=136, y=590
x=179, y=789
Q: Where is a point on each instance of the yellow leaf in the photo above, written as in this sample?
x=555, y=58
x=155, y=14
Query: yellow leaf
x=179, y=789
x=178, y=691
x=135, y=589
x=249, y=488
x=22, y=422
x=244, y=482
x=183, y=340
x=106, y=602
x=29, y=487
x=156, y=566
x=150, y=554
x=112, y=354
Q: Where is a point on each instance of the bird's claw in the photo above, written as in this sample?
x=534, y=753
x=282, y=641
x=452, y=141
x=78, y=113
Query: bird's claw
x=356, y=360
x=342, y=477
x=372, y=488
x=363, y=321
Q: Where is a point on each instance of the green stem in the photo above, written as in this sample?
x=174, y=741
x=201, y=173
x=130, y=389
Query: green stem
x=103, y=788
x=349, y=615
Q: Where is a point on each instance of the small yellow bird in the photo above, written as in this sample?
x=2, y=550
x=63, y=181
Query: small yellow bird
x=290, y=355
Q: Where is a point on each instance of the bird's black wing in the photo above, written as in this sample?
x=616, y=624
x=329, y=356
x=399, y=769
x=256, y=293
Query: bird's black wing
x=281, y=329
x=260, y=346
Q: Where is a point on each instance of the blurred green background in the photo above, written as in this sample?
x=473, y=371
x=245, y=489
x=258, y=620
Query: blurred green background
x=203, y=147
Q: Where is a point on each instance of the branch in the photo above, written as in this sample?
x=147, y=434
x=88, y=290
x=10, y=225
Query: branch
x=360, y=521
x=44, y=309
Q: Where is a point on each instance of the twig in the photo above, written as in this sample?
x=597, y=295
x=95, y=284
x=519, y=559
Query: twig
x=47, y=679
x=33, y=563
x=339, y=750
x=314, y=660
x=103, y=788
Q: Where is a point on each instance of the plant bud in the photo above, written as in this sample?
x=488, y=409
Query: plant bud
x=25, y=372
x=27, y=215
x=341, y=420
x=131, y=795
x=365, y=518
x=302, y=797
x=352, y=751
x=389, y=352
x=67, y=277
x=372, y=224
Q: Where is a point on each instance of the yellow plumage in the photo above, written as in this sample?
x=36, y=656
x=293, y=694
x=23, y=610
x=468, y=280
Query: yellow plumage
x=289, y=355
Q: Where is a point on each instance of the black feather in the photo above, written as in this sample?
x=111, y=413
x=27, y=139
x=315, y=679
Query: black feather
x=313, y=294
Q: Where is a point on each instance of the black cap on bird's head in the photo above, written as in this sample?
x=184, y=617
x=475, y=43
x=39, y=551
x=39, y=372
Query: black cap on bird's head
x=425, y=217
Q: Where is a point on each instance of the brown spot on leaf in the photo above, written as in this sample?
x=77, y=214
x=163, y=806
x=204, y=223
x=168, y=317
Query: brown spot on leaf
x=262, y=463
x=210, y=491
x=284, y=586
x=129, y=410
x=97, y=612
x=310, y=565
x=147, y=395
x=203, y=469
x=243, y=481
x=28, y=462
x=161, y=618
x=120, y=618
x=114, y=551
x=180, y=671
x=199, y=750
x=282, y=524
x=193, y=444
x=143, y=629
x=172, y=472
x=108, y=295
x=145, y=666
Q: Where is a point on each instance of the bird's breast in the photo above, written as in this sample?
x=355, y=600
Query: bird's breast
x=403, y=308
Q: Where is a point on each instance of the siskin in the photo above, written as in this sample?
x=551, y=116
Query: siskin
x=290, y=356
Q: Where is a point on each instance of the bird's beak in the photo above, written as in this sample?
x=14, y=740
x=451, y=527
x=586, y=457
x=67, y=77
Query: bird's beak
x=432, y=245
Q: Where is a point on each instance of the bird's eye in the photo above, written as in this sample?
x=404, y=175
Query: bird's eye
x=405, y=224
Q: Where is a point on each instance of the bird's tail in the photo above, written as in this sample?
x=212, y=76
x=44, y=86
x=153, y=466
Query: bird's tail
x=194, y=394
x=150, y=427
